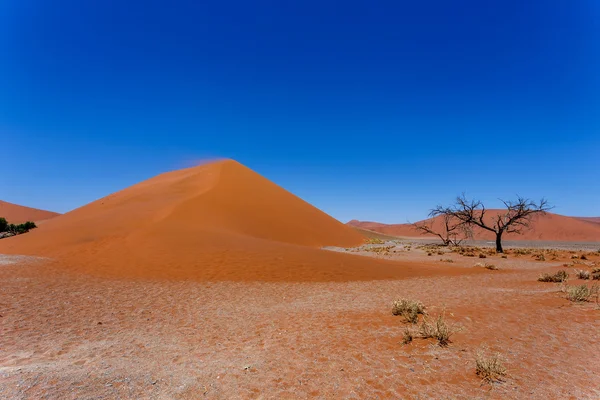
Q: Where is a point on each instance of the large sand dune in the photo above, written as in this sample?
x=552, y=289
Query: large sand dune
x=16, y=214
x=218, y=221
x=548, y=227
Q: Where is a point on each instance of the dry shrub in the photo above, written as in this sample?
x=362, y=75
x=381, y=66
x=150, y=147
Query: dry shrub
x=487, y=266
x=583, y=257
x=540, y=257
x=595, y=270
x=558, y=277
x=522, y=252
x=574, y=257
x=489, y=367
x=449, y=260
x=439, y=330
x=408, y=336
x=596, y=276
x=375, y=241
x=504, y=256
x=582, y=274
x=581, y=293
x=481, y=255
x=409, y=309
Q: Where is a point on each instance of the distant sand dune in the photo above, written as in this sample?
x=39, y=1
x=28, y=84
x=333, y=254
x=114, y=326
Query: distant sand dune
x=549, y=227
x=16, y=214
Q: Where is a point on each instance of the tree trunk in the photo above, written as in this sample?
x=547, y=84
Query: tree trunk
x=499, y=242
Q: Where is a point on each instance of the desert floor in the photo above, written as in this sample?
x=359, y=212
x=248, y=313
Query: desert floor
x=67, y=335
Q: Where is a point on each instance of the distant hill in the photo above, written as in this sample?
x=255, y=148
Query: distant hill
x=16, y=214
x=551, y=227
x=590, y=219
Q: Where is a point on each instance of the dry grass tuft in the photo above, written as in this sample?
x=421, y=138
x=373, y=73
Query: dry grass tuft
x=596, y=276
x=409, y=309
x=489, y=367
x=558, y=277
x=408, y=336
x=481, y=255
x=439, y=330
x=582, y=274
x=374, y=241
x=540, y=257
x=581, y=293
x=487, y=266
x=448, y=260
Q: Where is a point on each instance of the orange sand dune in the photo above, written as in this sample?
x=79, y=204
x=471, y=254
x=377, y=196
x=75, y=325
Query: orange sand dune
x=551, y=227
x=590, y=219
x=218, y=221
x=16, y=214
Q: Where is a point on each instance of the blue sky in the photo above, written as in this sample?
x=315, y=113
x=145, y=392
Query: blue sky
x=368, y=110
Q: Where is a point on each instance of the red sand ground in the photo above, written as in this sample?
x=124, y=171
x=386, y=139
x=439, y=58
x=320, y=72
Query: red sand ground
x=16, y=214
x=549, y=227
x=209, y=283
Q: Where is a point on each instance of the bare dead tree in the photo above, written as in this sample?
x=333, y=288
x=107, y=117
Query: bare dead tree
x=452, y=232
x=517, y=218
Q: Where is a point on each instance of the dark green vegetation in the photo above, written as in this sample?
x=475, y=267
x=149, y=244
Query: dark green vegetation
x=16, y=229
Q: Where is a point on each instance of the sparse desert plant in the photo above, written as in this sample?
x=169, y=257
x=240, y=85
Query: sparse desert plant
x=489, y=367
x=439, y=329
x=581, y=293
x=409, y=309
x=504, y=256
x=3, y=225
x=596, y=276
x=582, y=274
x=487, y=266
x=574, y=257
x=375, y=241
x=481, y=255
x=558, y=277
x=407, y=336
x=594, y=270
x=540, y=257
x=429, y=254
x=583, y=257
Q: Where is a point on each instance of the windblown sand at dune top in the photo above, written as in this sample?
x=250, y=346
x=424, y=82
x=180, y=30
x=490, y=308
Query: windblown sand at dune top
x=17, y=214
x=218, y=221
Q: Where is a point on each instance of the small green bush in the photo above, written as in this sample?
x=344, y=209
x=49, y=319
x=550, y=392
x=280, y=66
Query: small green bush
x=16, y=229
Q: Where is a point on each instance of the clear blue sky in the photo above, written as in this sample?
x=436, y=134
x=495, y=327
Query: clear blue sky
x=368, y=110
